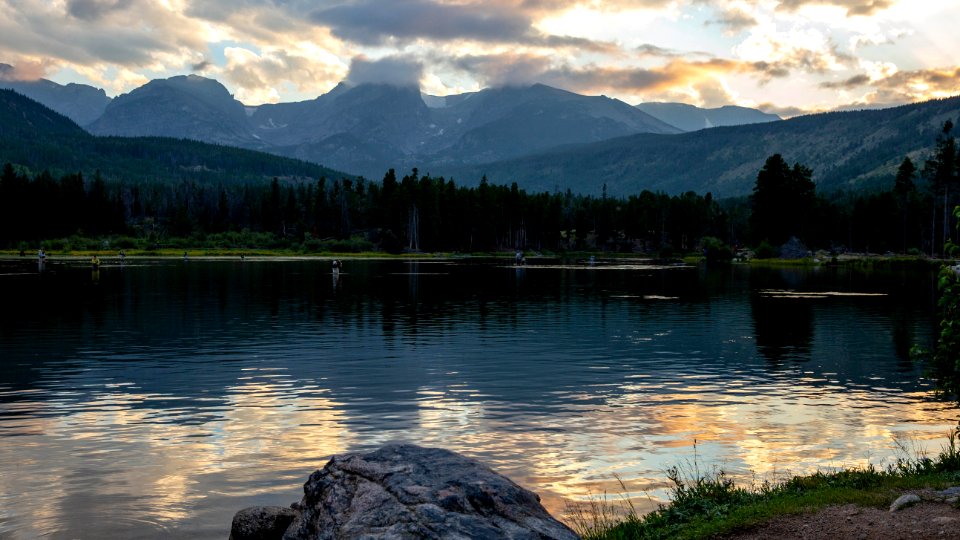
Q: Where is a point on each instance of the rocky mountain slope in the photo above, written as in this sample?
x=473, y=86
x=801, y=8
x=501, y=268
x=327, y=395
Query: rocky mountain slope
x=79, y=102
x=370, y=128
x=187, y=106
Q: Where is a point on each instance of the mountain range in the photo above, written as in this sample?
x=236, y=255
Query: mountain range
x=542, y=138
x=369, y=128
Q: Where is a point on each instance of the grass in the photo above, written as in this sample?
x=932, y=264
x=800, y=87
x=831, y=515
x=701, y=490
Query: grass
x=712, y=505
x=230, y=252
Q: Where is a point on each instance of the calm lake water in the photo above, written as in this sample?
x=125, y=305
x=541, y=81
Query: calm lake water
x=157, y=399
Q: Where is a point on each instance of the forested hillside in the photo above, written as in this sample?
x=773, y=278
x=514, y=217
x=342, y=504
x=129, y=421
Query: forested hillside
x=35, y=138
x=155, y=190
x=857, y=150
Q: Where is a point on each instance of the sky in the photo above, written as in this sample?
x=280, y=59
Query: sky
x=784, y=56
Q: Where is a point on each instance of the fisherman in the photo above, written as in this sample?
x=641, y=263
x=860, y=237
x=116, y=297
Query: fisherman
x=95, y=262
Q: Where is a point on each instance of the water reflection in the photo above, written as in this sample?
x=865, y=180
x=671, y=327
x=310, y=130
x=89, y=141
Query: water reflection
x=169, y=395
x=783, y=327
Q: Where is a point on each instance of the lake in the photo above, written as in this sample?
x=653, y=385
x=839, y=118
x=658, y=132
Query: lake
x=157, y=398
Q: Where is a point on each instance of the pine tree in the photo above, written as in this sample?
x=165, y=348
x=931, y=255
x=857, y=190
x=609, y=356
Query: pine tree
x=782, y=200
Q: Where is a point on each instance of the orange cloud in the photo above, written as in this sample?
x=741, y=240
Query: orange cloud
x=26, y=70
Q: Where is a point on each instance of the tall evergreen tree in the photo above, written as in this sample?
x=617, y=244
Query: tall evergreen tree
x=904, y=190
x=782, y=200
x=941, y=171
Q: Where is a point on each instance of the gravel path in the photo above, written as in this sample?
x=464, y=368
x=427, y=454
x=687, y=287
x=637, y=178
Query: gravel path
x=927, y=519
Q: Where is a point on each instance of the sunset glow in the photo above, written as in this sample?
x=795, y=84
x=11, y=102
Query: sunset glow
x=785, y=56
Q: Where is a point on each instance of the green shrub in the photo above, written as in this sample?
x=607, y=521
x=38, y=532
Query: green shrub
x=714, y=250
x=766, y=251
x=389, y=242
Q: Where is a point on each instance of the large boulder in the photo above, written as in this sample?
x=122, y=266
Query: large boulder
x=407, y=491
x=261, y=523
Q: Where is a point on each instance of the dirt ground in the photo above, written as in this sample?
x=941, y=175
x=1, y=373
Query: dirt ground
x=926, y=519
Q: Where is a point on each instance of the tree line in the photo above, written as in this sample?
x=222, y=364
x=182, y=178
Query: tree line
x=434, y=214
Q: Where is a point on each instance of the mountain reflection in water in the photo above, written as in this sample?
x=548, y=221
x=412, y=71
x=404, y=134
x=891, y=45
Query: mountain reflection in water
x=160, y=398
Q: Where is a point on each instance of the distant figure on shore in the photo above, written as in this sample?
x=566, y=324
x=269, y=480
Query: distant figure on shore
x=185, y=257
x=95, y=262
x=336, y=265
x=41, y=259
x=123, y=256
x=519, y=259
x=241, y=257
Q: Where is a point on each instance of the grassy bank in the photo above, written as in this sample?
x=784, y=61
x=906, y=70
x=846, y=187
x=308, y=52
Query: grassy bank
x=714, y=506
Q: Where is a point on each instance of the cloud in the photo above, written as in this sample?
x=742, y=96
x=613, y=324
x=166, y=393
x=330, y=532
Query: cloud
x=799, y=48
x=262, y=22
x=786, y=112
x=521, y=69
x=878, y=38
x=916, y=85
x=396, y=70
x=648, y=49
x=258, y=78
x=735, y=20
x=95, y=9
x=852, y=7
x=201, y=66
x=118, y=36
x=25, y=70
x=852, y=82
x=578, y=43
x=502, y=69
x=375, y=22
x=885, y=86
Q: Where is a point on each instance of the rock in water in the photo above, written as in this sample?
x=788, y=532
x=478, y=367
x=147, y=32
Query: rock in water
x=261, y=523
x=407, y=491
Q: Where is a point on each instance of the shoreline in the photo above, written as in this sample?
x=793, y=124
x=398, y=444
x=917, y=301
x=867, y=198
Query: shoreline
x=866, y=499
x=281, y=254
